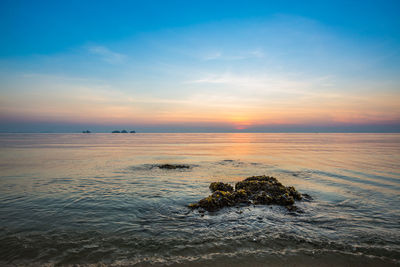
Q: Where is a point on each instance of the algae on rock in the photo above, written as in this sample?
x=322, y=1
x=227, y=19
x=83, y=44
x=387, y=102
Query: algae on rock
x=173, y=166
x=221, y=187
x=257, y=190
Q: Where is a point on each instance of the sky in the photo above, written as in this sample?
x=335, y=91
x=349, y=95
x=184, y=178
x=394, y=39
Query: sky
x=200, y=66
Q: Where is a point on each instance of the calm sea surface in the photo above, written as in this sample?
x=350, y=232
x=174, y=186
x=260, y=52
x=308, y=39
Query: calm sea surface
x=98, y=199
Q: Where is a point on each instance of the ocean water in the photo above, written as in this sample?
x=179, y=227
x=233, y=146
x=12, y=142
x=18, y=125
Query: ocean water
x=95, y=199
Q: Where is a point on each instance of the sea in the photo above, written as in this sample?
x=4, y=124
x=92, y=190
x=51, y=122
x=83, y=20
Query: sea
x=101, y=200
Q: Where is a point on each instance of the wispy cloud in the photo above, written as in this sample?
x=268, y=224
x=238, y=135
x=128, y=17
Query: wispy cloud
x=253, y=82
x=230, y=56
x=107, y=55
x=257, y=53
x=212, y=56
x=62, y=98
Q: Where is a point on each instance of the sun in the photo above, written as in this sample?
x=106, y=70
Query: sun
x=240, y=122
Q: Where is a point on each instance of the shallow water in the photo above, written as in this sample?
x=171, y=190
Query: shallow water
x=97, y=198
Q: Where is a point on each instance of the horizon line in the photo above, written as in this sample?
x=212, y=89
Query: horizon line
x=184, y=132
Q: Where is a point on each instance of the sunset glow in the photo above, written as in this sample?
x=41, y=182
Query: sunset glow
x=247, y=74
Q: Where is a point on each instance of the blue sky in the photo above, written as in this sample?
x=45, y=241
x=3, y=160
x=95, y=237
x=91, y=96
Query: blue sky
x=200, y=65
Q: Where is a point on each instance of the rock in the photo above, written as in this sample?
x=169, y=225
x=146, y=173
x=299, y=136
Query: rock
x=285, y=200
x=221, y=187
x=173, y=166
x=294, y=193
x=293, y=208
x=262, y=198
x=217, y=200
x=307, y=197
x=257, y=190
x=193, y=206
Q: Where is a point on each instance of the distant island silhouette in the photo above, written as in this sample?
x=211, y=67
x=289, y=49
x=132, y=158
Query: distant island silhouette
x=122, y=131
x=115, y=131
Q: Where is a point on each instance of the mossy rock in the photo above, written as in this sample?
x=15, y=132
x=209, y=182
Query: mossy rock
x=173, y=166
x=220, y=186
x=257, y=190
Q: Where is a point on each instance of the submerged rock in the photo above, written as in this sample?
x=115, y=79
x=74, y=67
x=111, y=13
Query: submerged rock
x=173, y=166
x=257, y=190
